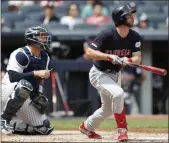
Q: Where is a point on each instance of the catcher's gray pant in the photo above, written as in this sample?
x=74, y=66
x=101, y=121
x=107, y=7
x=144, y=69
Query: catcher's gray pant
x=112, y=96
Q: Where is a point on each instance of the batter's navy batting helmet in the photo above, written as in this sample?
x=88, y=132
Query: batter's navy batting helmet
x=38, y=36
x=119, y=14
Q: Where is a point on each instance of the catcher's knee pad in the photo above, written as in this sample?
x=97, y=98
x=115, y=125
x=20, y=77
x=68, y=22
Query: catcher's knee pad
x=45, y=129
x=22, y=91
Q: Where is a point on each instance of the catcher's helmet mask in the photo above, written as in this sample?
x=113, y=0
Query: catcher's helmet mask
x=38, y=36
x=119, y=14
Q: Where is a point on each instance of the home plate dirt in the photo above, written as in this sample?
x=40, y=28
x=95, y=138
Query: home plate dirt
x=76, y=136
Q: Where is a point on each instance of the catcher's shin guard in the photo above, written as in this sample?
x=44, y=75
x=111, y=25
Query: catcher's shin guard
x=22, y=91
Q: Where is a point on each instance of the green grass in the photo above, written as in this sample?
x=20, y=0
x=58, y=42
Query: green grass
x=110, y=124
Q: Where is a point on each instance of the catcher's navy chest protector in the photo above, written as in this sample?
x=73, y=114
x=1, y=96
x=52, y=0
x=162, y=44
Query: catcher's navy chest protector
x=35, y=63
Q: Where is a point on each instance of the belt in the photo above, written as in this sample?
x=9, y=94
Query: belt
x=108, y=70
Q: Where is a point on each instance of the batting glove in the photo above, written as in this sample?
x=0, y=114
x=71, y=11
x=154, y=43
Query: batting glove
x=114, y=59
x=126, y=61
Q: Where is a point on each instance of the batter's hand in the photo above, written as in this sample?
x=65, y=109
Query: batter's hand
x=125, y=61
x=42, y=74
x=114, y=59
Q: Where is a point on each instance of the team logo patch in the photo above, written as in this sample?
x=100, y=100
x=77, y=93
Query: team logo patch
x=138, y=44
x=94, y=45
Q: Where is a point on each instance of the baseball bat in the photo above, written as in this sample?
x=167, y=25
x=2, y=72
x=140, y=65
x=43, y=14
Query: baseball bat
x=65, y=103
x=152, y=69
x=54, y=96
x=64, y=100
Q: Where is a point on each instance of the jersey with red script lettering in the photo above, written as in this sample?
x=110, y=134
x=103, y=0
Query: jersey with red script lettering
x=110, y=42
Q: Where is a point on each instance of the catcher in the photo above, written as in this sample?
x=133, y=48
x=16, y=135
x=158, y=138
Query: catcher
x=22, y=86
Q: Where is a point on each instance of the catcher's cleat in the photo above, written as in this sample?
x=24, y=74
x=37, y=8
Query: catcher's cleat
x=122, y=135
x=5, y=127
x=43, y=131
x=90, y=134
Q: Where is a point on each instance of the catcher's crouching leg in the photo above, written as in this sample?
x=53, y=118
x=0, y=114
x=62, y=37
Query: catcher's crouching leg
x=22, y=91
x=24, y=129
x=44, y=129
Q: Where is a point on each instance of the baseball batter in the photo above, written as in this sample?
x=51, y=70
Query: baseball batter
x=109, y=50
x=22, y=86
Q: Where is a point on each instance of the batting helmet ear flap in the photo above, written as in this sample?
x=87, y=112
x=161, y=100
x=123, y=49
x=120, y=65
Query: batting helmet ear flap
x=121, y=18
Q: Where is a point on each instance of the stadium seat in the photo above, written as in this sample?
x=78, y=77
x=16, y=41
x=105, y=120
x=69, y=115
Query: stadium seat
x=156, y=17
x=107, y=3
x=25, y=25
x=158, y=2
x=162, y=26
x=55, y=25
x=85, y=26
x=13, y=16
x=148, y=8
x=121, y=3
x=4, y=7
x=60, y=9
x=78, y=2
x=34, y=16
x=165, y=9
x=31, y=8
x=111, y=8
x=60, y=14
x=106, y=26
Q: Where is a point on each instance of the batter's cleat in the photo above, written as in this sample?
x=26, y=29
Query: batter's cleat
x=90, y=134
x=122, y=134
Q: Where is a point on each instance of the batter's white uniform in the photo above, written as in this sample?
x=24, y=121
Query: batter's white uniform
x=27, y=113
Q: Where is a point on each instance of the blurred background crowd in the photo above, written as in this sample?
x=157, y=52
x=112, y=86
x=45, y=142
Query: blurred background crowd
x=150, y=14
x=76, y=14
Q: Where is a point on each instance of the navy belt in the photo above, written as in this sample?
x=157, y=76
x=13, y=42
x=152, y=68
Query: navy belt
x=108, y=70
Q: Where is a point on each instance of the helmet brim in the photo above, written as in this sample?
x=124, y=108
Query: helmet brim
x=131, y=11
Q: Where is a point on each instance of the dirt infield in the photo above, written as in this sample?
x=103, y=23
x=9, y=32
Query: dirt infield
x=76, y=136
x=135, y=135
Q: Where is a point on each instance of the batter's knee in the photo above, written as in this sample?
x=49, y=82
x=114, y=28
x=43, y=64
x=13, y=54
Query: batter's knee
x=118, y=102
x=119, y=93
